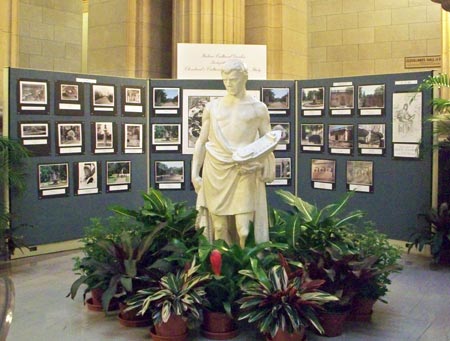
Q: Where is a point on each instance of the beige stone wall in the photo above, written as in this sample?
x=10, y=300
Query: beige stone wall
x=49, y=35
x=130, y=38
x=354, y=37
x=282, y=26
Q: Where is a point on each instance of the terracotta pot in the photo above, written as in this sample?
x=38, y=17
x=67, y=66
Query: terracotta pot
x=282, y=335
x=175, y=326
x=361, y=309
x=218, y=326
x=131, y=318
x=96, y=295
x=156, y=337
x=333, y=322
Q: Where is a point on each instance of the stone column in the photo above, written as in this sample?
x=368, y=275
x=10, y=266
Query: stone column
x=282, y=26
x=207, y=22
x=130, y=38
x=445, y=54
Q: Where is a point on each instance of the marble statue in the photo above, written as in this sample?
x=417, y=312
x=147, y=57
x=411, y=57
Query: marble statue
x=235, y=150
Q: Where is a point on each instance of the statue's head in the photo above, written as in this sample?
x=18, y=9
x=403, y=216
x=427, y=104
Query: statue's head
x=234, y=75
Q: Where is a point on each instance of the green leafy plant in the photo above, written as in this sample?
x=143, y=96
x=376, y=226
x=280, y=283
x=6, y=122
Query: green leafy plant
x=281, y=299
x=181, y=293
x=308, y=228
x=436, y=232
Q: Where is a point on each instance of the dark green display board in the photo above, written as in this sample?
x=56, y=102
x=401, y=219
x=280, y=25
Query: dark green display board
x=401, y=185
x=63, y=104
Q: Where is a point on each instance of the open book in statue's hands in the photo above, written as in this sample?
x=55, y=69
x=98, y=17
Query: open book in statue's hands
x=259, y=148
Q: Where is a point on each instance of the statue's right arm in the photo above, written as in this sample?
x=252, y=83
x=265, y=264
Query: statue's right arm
x=200, y=151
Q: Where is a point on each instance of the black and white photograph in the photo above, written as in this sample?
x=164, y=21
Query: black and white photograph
x=133, y=96
x=407, y=117
x=313, y=98
x=282, y=168
x=69, y=134
x=103, y=95
x=312, y=134
x=104, y=135
x=118, y=172
x=284, y=127
x=134, y=133
x=168, y=134
x=33, y=92
x=342, y=97
x=33, y=130
x=323, y=170
x=88, y=174
x=169, y=171
x=371, y=97
x=371, y=136
x=276, y=98
x=166, y=98
x=340, y=136
x=69, y=92
x=53, y=176
x=360, y=173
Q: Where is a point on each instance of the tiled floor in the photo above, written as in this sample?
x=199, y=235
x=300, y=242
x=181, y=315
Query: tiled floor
x=418, y=309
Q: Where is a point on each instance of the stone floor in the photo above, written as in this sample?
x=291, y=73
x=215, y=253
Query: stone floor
x=418, y=309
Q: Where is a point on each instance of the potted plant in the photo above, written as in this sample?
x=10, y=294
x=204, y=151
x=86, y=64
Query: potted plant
x=174, y=302
x=282, y=303
x=223, y=262
x=435, y=233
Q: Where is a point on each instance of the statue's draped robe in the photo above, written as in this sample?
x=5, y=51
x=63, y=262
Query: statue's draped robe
x=230, y=188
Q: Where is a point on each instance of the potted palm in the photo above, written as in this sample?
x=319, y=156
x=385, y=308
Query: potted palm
x=174, y=302
x=282, y=303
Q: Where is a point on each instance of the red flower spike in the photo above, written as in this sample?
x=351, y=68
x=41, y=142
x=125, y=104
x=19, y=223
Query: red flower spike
x=216, y=261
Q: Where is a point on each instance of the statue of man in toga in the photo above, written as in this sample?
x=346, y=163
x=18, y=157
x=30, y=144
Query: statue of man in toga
x=231, y=190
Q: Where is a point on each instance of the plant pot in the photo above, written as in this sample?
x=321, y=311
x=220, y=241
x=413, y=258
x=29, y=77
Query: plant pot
x=361, y=309
x=131, y=318
x=282, y=335
x=218, y=326
x=333, y=322
x=97, y=306
x=175, y=326
x=156, y=337
x=96, y=295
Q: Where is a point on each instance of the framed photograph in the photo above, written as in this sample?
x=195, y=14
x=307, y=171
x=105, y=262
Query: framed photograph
x=342, y=99
x=285, y=128
x=88, y=177
x=32, y=97
x=323, y=173
x=69, y=98
x=70, y=137
x=371, y=138
x=166, y=100
x=312, y=136
x=33, y=130
x=53, y=179
x=169, y=172
x=371, y=99
x=340, y=138
x=103, y=99
x=133, y=101
x=104, y=137
x=312, y=101
x=33, y=92
x=118, y=175
x=69, y=134
x=283, y=172
x=133, y=138
x=194, y=102
x=407, y=117
x=166, y=137
x=276, y=100
x=360, y=176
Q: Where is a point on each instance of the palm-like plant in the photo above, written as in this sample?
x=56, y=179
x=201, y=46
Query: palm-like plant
x=440, y=105
x=281, y=299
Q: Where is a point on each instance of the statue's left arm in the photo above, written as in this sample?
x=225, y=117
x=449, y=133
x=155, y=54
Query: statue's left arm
x=268, y=170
